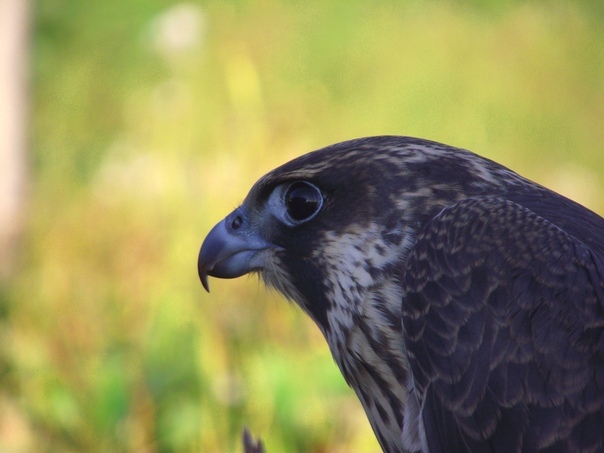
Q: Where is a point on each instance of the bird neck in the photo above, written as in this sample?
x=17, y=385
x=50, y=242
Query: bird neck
x=370, y=353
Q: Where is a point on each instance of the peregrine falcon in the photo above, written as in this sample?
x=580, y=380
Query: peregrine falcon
x=463, y=303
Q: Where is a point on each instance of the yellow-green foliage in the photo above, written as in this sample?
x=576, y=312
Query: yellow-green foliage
x=150, y=121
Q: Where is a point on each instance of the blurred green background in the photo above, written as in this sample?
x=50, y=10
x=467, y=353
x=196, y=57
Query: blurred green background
x=150, y=120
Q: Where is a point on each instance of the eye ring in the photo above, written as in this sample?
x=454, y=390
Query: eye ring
x=303, y=201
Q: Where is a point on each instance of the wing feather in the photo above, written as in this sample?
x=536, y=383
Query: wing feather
x=504, y=326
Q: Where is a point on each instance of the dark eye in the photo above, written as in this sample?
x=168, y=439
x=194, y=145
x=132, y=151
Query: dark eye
x=303, y=201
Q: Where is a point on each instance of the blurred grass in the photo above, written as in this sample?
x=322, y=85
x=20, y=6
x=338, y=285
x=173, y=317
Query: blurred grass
x=151, y=119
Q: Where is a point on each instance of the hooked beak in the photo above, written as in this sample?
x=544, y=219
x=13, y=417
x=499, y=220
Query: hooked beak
x=230, y=249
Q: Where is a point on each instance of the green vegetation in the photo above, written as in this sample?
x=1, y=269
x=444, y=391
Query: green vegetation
x=150, y=121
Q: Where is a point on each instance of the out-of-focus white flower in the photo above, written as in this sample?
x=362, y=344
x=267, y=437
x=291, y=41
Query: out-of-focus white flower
x=178, y=30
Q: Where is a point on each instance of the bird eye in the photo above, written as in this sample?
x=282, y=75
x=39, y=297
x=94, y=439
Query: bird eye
x=303, y=201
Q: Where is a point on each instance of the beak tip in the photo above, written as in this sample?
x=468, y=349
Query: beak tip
x=206, y=285
x=203, y=276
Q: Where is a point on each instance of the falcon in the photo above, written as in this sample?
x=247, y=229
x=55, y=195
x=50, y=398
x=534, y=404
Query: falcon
x=463, y=303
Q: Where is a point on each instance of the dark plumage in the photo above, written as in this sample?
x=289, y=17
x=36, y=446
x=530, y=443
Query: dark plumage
x=463, y=303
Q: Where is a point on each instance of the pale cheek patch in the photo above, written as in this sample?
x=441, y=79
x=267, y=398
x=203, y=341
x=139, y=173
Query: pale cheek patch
x=355, y=264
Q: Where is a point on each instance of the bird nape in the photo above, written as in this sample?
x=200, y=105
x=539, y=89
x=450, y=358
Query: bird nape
x=463, y=303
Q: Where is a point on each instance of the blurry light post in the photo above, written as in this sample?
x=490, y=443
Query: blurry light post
x=14, y=59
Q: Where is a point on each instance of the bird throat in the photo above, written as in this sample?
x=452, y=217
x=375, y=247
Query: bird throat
x=364, y=325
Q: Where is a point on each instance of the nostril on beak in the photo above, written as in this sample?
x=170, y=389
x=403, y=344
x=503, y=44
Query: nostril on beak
x=237, y=222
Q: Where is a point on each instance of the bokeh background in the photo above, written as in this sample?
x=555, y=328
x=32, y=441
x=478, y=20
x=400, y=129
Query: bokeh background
x=148, y=122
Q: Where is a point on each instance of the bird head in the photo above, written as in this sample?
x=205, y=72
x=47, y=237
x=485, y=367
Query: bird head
x=329, y=226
